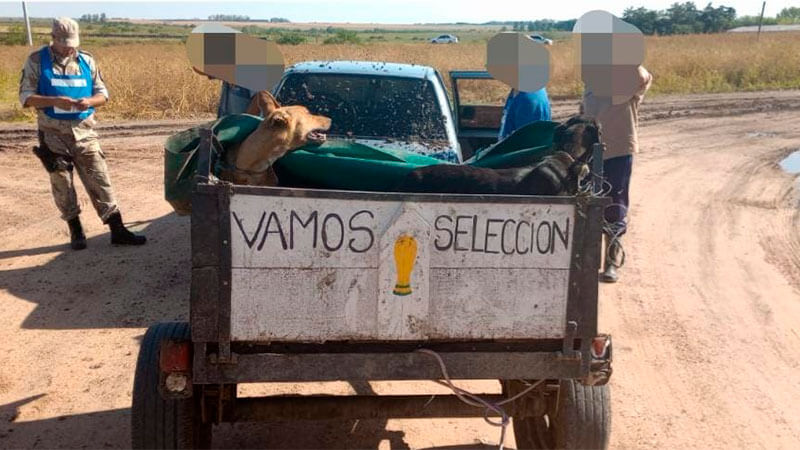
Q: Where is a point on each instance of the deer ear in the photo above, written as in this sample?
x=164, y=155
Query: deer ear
x=278, y=119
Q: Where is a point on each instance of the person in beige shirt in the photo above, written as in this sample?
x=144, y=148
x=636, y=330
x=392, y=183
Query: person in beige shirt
x=64, y=85
x=618, y=124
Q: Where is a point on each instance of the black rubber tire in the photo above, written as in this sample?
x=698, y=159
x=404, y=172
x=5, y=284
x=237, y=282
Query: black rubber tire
x=155, y=422
x=579, y=419
x=583, y=417
x=529, y=432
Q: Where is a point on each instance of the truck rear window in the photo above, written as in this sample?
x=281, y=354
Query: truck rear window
x=369, y=106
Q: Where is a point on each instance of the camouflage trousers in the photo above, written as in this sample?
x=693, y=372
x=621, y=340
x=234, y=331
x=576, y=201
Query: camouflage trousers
x=90, y=163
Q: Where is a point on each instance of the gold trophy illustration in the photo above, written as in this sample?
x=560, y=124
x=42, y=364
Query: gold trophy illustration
x=405, y=252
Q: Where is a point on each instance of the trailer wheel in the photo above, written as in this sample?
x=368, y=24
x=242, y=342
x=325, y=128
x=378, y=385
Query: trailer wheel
x=579, y=417
x=155, y=422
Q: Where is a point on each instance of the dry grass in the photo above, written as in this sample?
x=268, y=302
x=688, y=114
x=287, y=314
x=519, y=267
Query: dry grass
x=154, y=80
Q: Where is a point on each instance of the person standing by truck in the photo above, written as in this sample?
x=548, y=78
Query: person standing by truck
x=618, y=125
x=65, y=86
x=613, y=91
x=522, y=108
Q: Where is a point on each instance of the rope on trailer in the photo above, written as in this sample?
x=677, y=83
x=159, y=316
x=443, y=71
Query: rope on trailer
x=473, y=400
x=614, y=231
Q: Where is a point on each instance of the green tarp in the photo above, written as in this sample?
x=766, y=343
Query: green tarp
x=339, y=164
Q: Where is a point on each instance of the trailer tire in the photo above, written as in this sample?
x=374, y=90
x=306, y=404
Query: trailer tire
x=155, y=422
x=579, y=417
x=583, y=416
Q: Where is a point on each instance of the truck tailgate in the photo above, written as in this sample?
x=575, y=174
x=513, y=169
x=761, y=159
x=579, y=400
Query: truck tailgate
x=313, y=266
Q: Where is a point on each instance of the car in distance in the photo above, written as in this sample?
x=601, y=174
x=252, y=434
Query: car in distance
x=541, y=39
x=445, y=39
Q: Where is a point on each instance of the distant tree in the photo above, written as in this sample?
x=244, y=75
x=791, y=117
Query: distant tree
x=684, y=18
x=789, y=15
x=718, y=19
x=278, y=20
x=93, y=18
x=228, y=18
x=505, y=28
x=642, y=18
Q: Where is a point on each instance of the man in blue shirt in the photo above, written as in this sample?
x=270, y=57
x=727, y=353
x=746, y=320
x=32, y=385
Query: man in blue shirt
x=523, y=108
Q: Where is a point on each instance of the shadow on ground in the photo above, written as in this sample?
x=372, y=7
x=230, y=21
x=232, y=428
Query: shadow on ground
x=111, y=429
x=106, y=286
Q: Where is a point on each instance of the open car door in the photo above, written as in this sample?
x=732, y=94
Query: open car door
x=478, y=101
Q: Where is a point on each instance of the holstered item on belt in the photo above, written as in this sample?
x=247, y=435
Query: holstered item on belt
x=52, y=161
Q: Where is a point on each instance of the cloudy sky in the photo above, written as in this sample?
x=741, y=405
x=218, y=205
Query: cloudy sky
x=376, y=11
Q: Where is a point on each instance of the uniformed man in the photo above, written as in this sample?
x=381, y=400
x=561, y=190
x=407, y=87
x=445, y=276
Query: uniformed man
x=64, y=85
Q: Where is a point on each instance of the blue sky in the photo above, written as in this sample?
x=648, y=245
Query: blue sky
x=386, y=11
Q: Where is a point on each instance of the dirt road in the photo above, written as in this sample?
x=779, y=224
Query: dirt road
x=706, y=320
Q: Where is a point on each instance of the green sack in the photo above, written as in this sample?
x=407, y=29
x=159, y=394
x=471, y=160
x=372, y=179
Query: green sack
x=180, y=155
x=347, y=165
x=523, y=147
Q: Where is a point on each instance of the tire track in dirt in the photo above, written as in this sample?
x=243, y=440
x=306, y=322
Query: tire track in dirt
x=714, y=332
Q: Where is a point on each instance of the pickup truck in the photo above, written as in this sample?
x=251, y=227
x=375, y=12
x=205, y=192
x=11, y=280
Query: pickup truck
x=311, y=285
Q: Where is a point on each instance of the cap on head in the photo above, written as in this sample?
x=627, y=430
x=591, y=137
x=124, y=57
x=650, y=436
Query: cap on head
x=65, y=32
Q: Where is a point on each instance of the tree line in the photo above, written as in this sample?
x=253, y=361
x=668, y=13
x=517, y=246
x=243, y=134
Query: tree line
x=239, y=18
x=94, y=18
x=680, y=18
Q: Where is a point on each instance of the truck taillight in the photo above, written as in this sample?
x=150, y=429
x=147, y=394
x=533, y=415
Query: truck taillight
x=600, y=346
x=175, y=356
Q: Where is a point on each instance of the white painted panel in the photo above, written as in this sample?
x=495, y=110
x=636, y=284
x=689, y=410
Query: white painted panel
x=327, y=304
x=398, y=305
x=308, y=269
x=495, y=303
x=304, y=232
x=304, y=305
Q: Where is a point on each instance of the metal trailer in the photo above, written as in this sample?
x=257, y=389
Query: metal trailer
x=297, y=285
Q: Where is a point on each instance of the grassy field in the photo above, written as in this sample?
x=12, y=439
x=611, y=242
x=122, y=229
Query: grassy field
x=152, y=79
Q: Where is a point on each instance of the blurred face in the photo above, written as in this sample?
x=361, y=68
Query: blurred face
x=62, y=51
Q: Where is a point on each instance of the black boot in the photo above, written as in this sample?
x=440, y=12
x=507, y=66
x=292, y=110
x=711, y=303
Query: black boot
x=77, y=240
x=121, y=235
x=615, y=257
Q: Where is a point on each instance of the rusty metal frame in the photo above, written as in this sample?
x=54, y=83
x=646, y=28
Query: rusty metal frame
x=372, y=407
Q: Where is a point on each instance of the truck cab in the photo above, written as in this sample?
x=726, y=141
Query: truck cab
x=375, y=103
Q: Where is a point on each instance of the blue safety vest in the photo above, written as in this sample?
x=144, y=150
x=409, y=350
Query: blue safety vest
x=72, y=86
